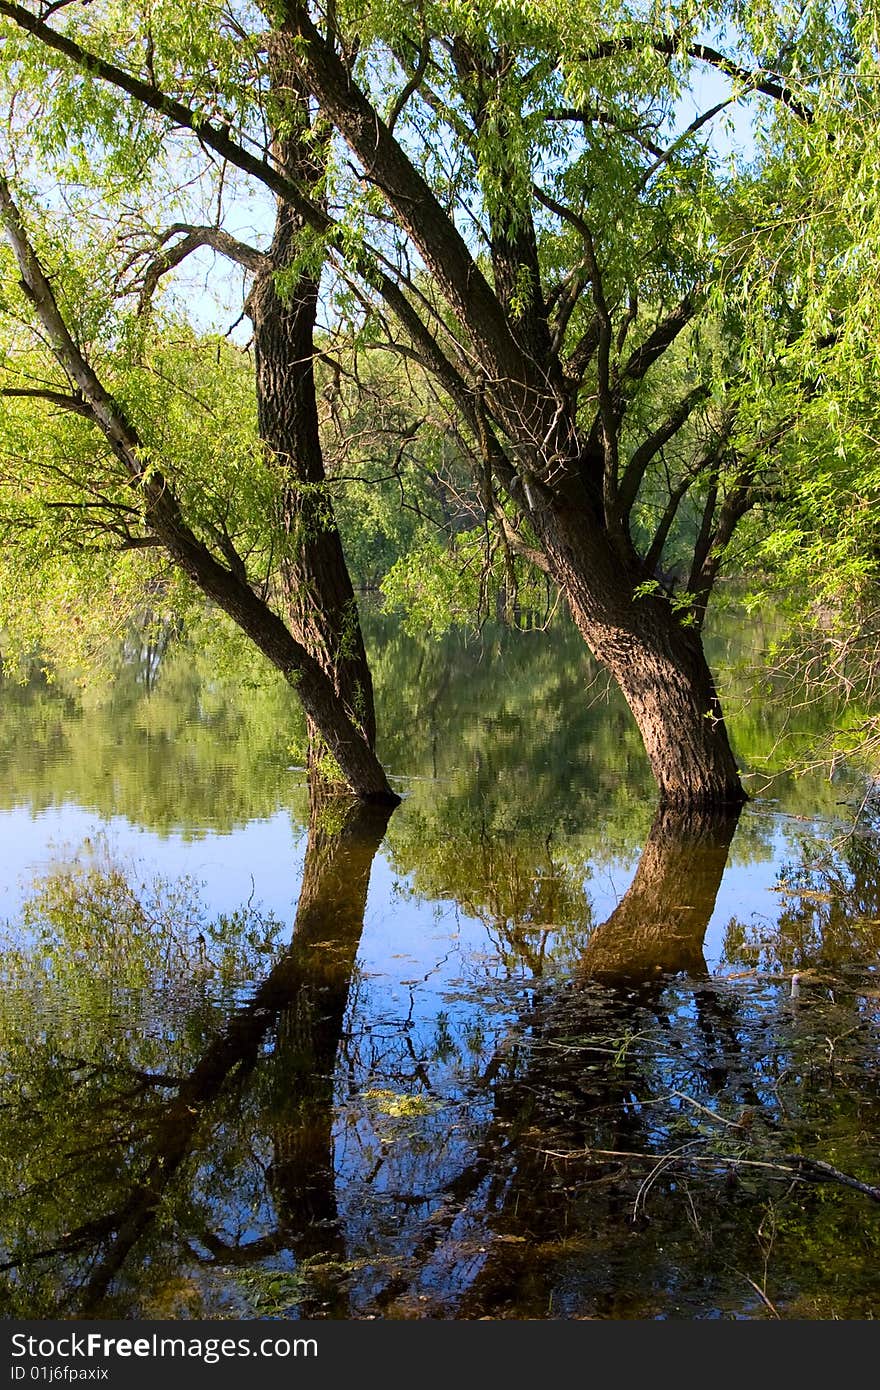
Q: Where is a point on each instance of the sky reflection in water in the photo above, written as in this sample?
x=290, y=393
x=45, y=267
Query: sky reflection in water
x=475, y=1078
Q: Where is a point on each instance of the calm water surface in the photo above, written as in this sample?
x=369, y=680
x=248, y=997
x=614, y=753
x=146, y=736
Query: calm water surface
x=524, y=1050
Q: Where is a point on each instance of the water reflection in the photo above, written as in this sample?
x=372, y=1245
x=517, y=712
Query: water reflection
x=606, y=1130
x=147, y=1126
x=661, y=921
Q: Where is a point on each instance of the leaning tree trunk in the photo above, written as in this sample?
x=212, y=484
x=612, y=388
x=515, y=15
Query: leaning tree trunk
x=657, y=659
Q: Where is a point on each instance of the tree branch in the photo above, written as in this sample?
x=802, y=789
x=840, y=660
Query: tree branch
x=193, y=238
x=695, y=125
x=710, y=549
x=704, y=535
x=568, y=299
x=583, y=351
x=213, y=136
x=59, y=398
x=516, y=544
x=659, y=339
x=661, y=535
x=435, y=102
x=412, y=85
x=440, y=243
x=595, y=116
x=770, y=84
x=164, y=517
x=650, y=447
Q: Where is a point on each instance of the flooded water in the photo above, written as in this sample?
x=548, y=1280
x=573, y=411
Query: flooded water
x=524, y=1050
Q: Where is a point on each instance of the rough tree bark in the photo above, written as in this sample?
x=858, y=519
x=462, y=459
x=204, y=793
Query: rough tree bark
x=319, y=601
x=657, y=661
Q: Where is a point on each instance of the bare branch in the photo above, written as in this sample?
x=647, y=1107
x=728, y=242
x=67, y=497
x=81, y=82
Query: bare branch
x=699, y=121
x=59, y=398
x=412, y=86
x=760, y=80
x=194, y=238
x=650, y=447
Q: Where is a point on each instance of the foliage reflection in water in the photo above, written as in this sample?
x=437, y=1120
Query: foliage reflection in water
x=543, y=1108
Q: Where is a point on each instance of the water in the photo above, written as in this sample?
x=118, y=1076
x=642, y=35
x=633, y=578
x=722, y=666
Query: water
x=522, y=1051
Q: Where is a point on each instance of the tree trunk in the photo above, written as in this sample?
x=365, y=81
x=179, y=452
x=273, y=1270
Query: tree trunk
x=360, y=768
x=225, y=583
x=319, y=602
x=656, y=659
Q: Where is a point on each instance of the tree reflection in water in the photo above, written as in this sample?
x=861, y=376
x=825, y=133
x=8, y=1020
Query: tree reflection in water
x=612, y=1139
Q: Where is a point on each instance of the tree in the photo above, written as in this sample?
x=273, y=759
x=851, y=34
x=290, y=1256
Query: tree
x=318, y=645
x=548, y=391
x=508, y=183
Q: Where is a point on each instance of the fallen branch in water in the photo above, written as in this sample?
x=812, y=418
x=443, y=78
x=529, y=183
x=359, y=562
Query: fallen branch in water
x=825, y=1170
x=798, y=1166
x=720, y=1160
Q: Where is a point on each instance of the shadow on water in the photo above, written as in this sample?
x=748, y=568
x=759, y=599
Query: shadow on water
x=629, y=1136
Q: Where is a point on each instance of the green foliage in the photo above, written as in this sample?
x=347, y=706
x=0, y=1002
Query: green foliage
x=92, y=920
x=76, y=566
x=432, y=588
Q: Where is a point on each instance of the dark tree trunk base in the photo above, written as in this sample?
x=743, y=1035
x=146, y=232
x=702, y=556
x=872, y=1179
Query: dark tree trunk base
x=657, y=660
